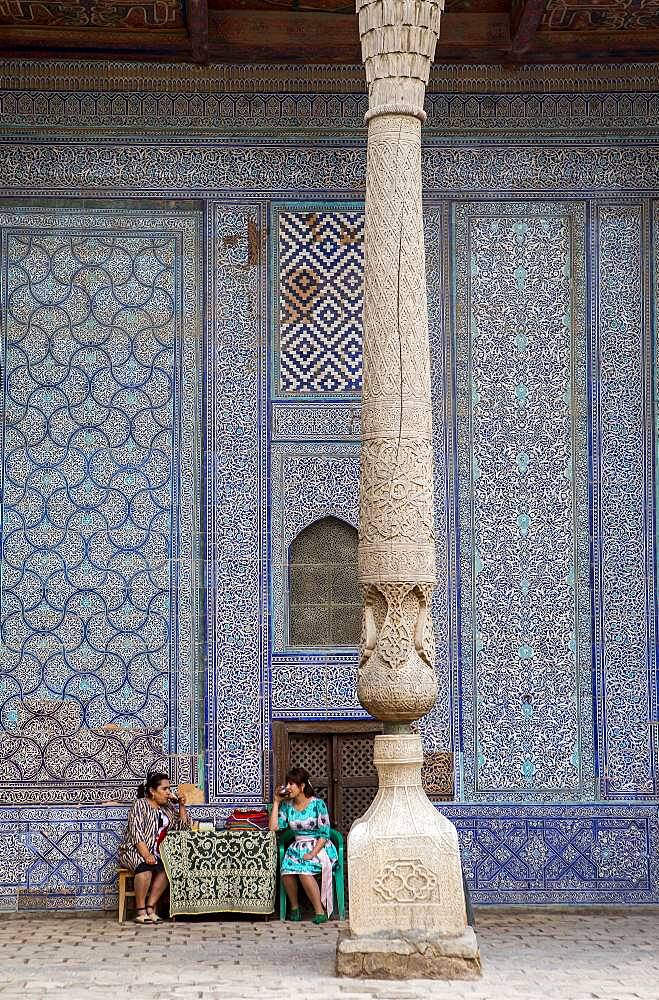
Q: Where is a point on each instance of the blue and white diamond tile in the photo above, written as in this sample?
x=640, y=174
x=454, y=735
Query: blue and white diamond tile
x=320, y=268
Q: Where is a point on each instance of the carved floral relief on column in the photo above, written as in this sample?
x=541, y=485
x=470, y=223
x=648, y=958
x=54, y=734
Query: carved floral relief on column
x=397, y=680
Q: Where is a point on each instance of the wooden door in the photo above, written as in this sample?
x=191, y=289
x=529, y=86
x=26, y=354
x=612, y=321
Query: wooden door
x=339, y=759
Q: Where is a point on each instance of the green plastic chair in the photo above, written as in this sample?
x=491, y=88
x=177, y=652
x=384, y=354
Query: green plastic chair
x=338, y=874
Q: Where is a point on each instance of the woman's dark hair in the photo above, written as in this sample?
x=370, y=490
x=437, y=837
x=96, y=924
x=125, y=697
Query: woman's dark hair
x=300, y=777
x=151, y=783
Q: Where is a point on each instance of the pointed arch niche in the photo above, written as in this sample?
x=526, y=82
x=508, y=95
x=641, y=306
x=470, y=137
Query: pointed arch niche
x=324, y=596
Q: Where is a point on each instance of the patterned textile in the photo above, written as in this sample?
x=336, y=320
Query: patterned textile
x=143, y=827
x=221, y=872
x=312, y=822
x=247, y=819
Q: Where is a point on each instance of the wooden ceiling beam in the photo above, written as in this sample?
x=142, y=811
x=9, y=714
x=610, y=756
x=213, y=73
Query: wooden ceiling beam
x=280, y=36
x=250, y=36
x=593, y=46
x=524, y=23
x=197, y=24
x=316, y=37
x=84, y=42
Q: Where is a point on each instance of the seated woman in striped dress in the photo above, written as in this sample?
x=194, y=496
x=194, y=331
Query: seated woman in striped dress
x=312, y=852
x=153, y=814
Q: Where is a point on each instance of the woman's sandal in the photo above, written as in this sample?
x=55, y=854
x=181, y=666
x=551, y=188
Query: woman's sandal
x=320, y=918
x=152, y=915
x=296, y=914
x=144, y=919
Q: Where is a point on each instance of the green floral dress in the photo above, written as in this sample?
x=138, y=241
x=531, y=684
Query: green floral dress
x=307, y=825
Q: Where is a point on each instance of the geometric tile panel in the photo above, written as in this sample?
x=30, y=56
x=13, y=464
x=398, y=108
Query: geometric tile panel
x=321, y=258
x=586, y=853
x=60, y=857
x=65, y=858
x=99, y=443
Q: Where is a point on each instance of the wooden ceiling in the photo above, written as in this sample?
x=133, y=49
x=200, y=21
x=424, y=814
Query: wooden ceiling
x=324, y=31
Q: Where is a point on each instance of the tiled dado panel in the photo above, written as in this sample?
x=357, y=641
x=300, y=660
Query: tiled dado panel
x=588, y=853
x=62, y=857
x=65, y=858
x=100, y=447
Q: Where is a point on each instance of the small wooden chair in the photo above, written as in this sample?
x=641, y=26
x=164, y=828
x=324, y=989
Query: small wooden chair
x=126, y=892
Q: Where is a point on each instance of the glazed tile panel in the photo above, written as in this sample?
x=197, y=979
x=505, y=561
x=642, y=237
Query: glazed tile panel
x=593, y=853
x=237, y=730
x=308, y=482
x=99, y=519
x=522, y=465
x=533, y=711
x=63, y=857
x=320, y=275
x=623, y=525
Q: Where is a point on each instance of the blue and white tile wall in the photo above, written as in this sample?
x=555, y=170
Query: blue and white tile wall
x=179, y=404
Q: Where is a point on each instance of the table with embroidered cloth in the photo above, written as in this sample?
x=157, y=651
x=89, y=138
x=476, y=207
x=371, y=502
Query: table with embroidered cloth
x=225, y=871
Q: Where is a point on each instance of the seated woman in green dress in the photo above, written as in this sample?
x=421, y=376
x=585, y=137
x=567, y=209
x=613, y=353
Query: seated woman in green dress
x=312, y=852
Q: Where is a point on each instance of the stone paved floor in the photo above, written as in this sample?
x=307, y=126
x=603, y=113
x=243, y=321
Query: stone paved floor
x=530, y=954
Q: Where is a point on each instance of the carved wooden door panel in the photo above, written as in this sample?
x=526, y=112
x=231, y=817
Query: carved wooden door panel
x=313, y=752
x=354, y=777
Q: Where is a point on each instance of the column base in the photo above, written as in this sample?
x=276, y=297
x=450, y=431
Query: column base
x=412, y=955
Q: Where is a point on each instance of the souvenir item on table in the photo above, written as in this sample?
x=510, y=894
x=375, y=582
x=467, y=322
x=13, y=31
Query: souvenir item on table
x=247, y=819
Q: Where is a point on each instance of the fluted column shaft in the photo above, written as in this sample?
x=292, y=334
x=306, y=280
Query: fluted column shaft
x=397, y=681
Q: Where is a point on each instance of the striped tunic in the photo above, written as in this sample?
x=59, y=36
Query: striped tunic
x=143, y=826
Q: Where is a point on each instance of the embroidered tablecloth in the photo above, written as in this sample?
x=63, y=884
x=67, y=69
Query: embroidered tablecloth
x=223, y=871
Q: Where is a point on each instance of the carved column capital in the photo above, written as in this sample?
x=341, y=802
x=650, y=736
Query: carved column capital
x=398, y=39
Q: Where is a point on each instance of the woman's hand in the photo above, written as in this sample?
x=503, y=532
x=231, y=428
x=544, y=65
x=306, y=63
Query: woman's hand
x=309, y=856
x=273, y=819
x=280, y=795
x=151, y=859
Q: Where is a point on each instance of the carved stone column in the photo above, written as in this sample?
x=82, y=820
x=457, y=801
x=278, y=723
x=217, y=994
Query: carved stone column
x=407, y=907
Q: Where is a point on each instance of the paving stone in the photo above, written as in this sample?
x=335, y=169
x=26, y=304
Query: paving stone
x=528, y=954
